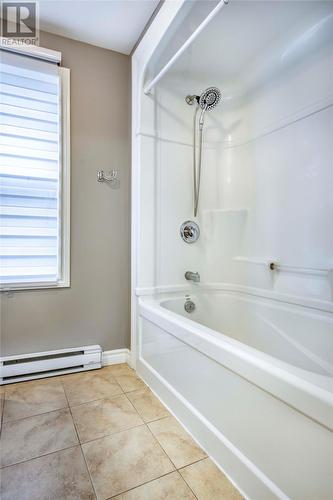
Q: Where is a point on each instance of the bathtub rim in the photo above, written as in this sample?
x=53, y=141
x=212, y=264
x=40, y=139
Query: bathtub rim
x=253, y=350
x=310, y=303
x=266, y=303
x=263, y=370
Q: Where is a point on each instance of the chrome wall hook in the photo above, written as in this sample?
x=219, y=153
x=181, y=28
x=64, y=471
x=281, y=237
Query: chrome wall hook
x=112, y=178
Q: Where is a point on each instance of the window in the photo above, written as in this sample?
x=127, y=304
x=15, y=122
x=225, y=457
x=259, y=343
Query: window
x=34, y=173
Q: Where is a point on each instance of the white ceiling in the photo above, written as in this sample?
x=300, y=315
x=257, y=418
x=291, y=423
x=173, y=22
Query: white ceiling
x=112, y=24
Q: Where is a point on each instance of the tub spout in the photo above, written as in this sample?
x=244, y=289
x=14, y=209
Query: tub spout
x=195, y=277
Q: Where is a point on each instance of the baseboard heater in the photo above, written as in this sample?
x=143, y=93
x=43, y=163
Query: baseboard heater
x=49, y=363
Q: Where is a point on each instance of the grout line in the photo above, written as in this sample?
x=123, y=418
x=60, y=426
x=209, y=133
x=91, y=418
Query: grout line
x=112, y=434
x=189, y=487
x=192, y=463
x=95, y=400
x=105, y=398
x=36, y=415
x=187, y=482
x=147, y=482
x=156, y=419
x=78, y=438
x=154, y=437
x=131, y=390
x=148, y=421
x=183, y=466
x=39, y=456
x=89, y=475
x=161, y=446
x=134, y=390
x=145, y=423
x=176, y=471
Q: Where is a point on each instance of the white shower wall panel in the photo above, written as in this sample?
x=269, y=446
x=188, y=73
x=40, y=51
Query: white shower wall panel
x=174, y=206
x=283, y=180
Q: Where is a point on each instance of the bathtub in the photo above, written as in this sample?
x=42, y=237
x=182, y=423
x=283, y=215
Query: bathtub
x=251, y=379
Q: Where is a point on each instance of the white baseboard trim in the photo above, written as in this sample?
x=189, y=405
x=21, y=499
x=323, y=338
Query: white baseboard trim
x=116, y=356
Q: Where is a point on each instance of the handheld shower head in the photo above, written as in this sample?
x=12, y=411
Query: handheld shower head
x=209, y=98
x=207, y=101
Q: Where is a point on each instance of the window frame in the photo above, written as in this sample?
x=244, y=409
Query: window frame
x=64, y=197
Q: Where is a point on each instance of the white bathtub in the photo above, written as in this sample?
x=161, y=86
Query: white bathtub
x=251, y=379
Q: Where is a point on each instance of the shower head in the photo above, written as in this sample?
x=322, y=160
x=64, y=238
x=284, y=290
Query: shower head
x=209, y=98
x=207, y=101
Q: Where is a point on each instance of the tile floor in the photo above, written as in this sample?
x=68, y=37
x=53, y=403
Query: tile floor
x=99, y=434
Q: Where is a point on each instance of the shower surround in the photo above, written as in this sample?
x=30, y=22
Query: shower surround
x=249, y=370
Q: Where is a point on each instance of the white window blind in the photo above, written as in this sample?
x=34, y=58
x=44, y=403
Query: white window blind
x=30, y=173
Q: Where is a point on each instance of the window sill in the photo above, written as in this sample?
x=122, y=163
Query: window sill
x=34, y=286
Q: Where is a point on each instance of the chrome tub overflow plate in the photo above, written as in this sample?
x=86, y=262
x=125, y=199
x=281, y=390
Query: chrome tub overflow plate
x=189, y=305
x=189, y=231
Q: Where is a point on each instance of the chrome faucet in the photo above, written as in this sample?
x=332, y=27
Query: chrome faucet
x=195, y=277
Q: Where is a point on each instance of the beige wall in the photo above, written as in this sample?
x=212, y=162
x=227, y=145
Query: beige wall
x=95, y=309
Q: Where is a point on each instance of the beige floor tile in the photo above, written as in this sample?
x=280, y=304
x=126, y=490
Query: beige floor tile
x=59, y=476
x=89, y=386
x=147, y=405
x=177, y=443
x=125, y=376
x=26, y=399
x=130, y=381
x=35, y=436
x=125, y=460
x=170, y=487
x=103, y=417
x=208, y=482
x=120, y=369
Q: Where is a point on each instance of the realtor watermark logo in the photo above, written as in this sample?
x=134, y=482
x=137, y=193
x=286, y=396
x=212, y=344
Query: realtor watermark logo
x=19, y=23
